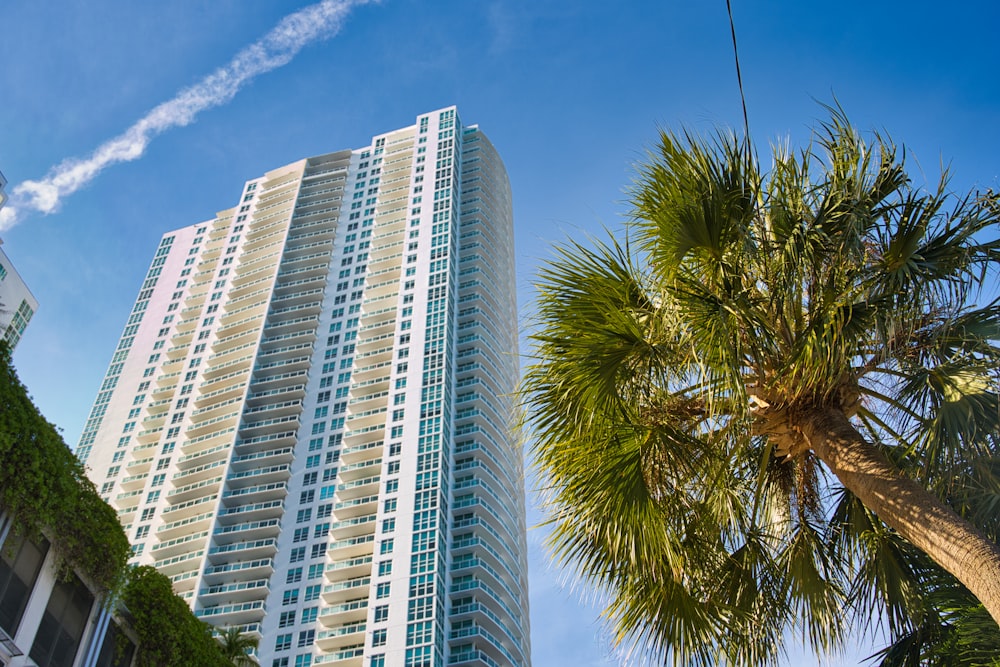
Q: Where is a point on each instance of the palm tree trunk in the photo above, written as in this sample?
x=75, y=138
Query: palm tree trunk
x=906, y=506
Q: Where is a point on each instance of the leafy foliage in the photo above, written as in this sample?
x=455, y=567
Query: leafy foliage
x=169, y=634
x=673, y=373
x=44, y=488
x=236, y=647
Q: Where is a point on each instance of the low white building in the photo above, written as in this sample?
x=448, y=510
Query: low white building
x=17, y=305
x=47, y=620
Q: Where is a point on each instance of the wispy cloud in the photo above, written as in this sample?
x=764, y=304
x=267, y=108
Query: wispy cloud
x=275, y=49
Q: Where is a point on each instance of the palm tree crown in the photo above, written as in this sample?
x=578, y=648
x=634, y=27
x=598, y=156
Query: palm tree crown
x=742, y=411
x=238, y=647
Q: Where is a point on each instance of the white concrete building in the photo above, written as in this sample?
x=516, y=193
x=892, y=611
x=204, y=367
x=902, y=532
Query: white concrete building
x=307, y=421
x=47, y=620
x=17, y=304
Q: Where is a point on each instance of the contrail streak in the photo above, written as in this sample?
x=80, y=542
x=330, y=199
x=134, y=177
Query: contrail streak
x=275, y=49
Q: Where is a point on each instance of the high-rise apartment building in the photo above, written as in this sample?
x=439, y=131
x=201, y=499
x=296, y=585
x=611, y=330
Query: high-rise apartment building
x=17, y=303
x=307, y=421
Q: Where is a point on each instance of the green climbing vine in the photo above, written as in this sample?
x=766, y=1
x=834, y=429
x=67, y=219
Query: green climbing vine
x=44, y=489
x=169, y=634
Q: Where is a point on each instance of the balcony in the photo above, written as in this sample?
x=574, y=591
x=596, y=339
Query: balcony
x=359, y=487
x=352, y=547
x=356, y=507
x=233, y=614
x=349, y=567
x=256, y=569
x=345, y=612
x=243, y=591
x=346, y=590
x=271, y=509
x=188, y=492
x=247, y=531
x=364, y=468
x=241, y=551
x=341, y=636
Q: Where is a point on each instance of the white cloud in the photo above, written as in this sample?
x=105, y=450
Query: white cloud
x=275, y=49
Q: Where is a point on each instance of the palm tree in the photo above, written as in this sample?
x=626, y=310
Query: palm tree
x=754, y=415
x=237, y=647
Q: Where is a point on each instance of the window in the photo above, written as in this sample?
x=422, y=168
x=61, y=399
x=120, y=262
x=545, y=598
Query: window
x=290, y=597
x=306, y=638
x=309, y=614
x=19, y=567
x=294, y=575
x=287, y=618
x=116, y=649
x=384, y=568
x=381, y=613
x=312, y=593
x=317, y=550
x=382, y=591
x=282, y=643
x=378, y=637
x=388, y=525
x=298, y=555
x=281, y=662
x=63, y=624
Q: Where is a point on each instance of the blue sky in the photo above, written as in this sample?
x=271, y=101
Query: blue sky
x=570, y=91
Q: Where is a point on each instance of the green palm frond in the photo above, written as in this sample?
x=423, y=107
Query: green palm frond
x=669, y=372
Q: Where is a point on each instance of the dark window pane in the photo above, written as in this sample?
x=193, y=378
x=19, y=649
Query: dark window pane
x=117, y=649
x=62, y=626
x=20, y=562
